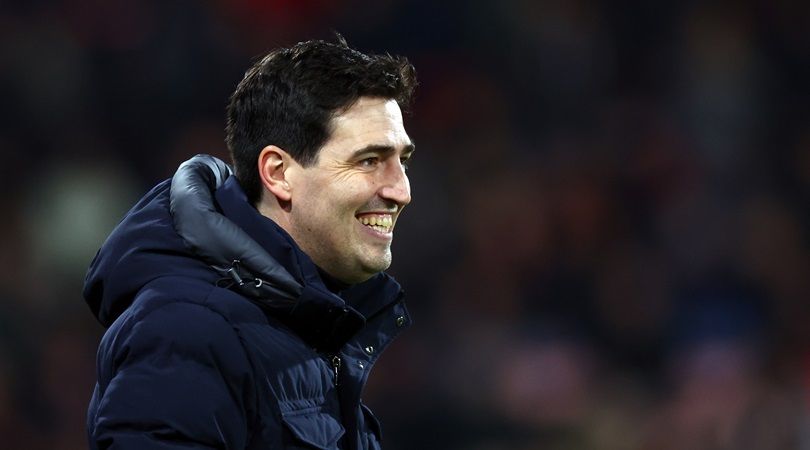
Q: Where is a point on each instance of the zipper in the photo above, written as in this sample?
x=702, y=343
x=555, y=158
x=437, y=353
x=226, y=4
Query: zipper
x=336, y=362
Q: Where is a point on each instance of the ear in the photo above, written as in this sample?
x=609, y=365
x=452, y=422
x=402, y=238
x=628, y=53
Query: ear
x=273, y=164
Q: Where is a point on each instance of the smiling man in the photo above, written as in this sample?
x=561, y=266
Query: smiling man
x=245, y=308
x=349, y=200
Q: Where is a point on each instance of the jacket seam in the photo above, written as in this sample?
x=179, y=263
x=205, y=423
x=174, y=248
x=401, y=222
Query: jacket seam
x=254, y=420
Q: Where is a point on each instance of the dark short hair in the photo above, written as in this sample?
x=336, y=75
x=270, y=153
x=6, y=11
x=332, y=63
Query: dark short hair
x=289, y=97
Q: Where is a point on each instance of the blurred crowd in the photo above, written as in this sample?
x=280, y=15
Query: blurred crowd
x=609, y=243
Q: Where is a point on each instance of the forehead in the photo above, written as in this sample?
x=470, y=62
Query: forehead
x=369, y=121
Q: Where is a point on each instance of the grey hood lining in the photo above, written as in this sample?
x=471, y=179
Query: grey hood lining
x=220, y=242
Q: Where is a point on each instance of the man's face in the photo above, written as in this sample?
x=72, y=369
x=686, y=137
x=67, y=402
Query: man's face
x=344, y=207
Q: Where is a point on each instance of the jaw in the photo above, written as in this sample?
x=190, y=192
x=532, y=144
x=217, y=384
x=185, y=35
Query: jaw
x=354, y=255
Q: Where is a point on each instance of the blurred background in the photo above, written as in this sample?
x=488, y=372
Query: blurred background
x=608, y=246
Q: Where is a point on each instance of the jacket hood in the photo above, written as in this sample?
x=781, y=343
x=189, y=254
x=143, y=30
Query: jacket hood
x=199, y=224
x=143, y=247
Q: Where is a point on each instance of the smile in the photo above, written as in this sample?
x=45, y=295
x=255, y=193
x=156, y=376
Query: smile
x=381, y=223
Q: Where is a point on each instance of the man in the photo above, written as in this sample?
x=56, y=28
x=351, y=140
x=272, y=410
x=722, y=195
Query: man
x=246, y=311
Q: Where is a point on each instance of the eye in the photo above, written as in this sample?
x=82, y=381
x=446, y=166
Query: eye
x=406, y=162
x=369, y=162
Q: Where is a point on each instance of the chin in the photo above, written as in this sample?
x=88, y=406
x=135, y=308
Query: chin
x=375, y=269
x=366, y=266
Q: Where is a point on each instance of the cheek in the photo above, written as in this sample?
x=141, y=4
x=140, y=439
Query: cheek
x=331, y=199
x=354, y=194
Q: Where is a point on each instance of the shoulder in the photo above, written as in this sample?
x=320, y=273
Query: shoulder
x=180, y=295
x=173, y=362
x=183, y=317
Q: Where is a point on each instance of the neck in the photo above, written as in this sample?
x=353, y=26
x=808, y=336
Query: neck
x=332, y=283
x=274, y=213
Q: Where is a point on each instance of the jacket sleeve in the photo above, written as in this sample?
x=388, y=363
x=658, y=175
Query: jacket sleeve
x=176, y=378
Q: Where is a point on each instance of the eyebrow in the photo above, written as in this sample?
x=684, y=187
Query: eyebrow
x=383, y=150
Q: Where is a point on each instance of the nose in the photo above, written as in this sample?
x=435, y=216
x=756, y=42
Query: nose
x=395, y=186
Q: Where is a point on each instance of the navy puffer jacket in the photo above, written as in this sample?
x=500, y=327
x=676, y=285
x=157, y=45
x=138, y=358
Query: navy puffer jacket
x=222, y=332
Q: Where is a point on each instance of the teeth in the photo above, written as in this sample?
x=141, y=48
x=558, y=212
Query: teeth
x=381, y=223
